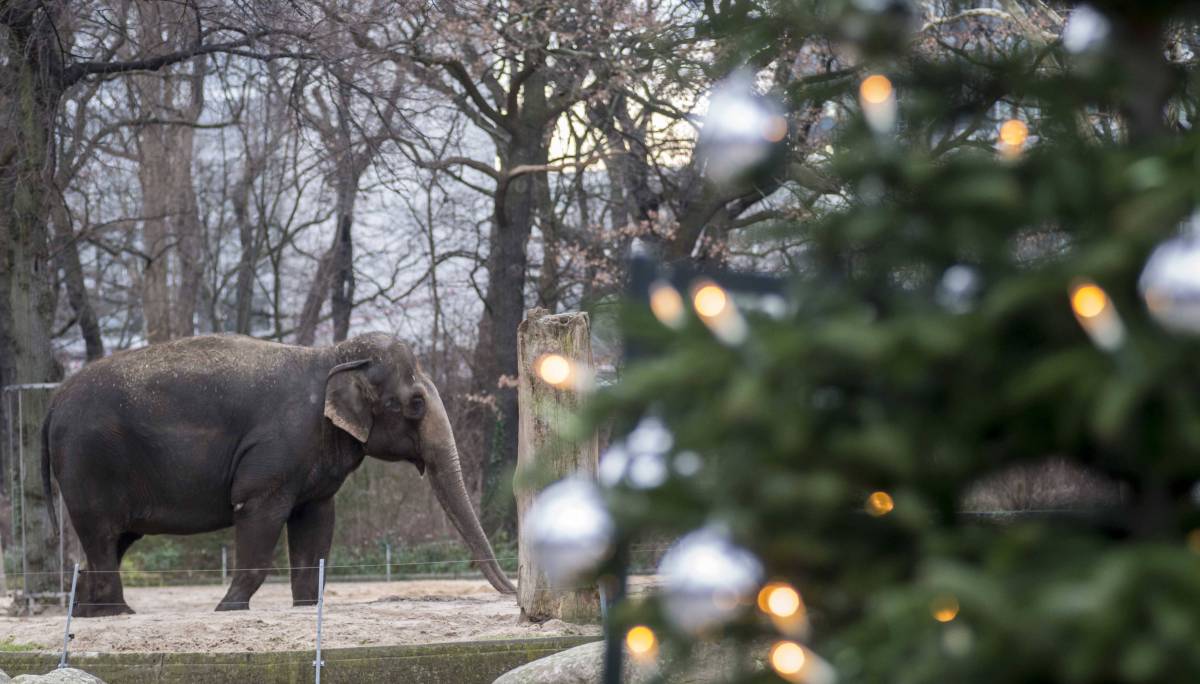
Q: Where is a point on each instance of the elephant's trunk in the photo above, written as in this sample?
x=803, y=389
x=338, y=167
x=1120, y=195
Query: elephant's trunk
x=445, y=475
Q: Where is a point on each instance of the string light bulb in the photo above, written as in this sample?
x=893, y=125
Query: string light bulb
x=1096, y=315
x=880, y=504
x=788, y=658
x=717, y=311
x=641, y=641
x=944, y=608
x=1089, y=301
x=1013, y=135
x=710, y=300
x=666, y=304
x=779, y=599
x=878, y=100
x=875, y=89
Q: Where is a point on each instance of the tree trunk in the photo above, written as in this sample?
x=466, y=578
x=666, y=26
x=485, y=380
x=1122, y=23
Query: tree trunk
x=310, y=313
x=171, y=237
x=29, y=95
x=66, y=249
x=548, y=278
x=545, y=413
x=341, y=292
x=496, y=351
x=248, y=238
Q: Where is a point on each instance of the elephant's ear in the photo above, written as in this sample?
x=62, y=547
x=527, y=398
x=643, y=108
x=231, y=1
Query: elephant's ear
x=348, y=399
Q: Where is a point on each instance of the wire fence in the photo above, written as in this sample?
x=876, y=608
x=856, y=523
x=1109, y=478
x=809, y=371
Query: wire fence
x=79, y=598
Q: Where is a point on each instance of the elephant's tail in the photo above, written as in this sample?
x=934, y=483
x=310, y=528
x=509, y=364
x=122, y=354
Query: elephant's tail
x=47, y=490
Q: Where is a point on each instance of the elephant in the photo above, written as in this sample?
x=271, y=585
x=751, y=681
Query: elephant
x=208, y=432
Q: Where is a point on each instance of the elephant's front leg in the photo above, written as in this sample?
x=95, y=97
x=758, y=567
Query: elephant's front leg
x=310, y=533
x=256, y=529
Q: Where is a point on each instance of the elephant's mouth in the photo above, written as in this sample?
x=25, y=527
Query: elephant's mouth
x=419, y=463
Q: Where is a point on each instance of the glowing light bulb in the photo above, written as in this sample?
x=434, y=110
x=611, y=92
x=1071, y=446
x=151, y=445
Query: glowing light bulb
x=1097, y=315
x=779, y=599
x=878, y=100
x=1089, y=300
x=640, y=640
x=709, y=300
x=875, y=89
x=1014, y=133
x=944, y=608
x=880, y=504
x=555, y=370
x=788, y=657
x=666, y=304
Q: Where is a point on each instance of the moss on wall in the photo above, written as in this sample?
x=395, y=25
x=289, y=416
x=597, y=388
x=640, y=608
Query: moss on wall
x=452, y=663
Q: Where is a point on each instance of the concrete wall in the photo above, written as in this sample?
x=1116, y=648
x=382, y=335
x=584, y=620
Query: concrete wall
x=455, y=663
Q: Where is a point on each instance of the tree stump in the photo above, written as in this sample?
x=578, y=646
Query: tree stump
x=544, y=411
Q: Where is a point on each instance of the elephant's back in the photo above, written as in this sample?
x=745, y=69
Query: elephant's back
x=215, y=368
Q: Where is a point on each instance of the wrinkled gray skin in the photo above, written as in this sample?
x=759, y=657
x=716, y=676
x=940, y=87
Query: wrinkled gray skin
x=209, y=432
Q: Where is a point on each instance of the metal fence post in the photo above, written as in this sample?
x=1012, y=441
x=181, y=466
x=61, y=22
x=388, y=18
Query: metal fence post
x=67, y=636
x=318, y=663
x=224, y=563
x=62, y=545
x=21, y=485
x=388, y=553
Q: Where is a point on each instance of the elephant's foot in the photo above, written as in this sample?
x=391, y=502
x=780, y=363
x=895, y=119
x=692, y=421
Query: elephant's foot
x=298, y=603
x=233, y=605
x=86, y=610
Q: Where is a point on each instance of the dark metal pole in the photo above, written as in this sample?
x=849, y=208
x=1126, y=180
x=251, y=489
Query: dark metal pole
x=613, y=643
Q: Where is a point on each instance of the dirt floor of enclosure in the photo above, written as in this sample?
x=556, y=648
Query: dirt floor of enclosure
x=181, y=619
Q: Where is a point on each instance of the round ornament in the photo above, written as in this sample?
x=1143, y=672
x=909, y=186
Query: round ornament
x=707, y=580
x=570, y=531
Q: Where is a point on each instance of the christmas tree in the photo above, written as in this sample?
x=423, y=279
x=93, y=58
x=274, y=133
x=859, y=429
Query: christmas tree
x=1002, y=272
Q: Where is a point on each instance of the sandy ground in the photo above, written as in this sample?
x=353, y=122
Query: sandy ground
x=181, y=619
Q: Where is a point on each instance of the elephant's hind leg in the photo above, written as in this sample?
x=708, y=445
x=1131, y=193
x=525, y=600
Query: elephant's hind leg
x=102, y=593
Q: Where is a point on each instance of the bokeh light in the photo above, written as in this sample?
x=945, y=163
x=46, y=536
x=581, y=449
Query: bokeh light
x=710, y=300
x=1097, y=315
x=779, y=599
x=944, y=608
x=880, y=503
x=875, y=89
x=788, y=657
x=666, y=304
x=641, y=640
x=555, y=370
x=1089, y=300
x=1014, y=133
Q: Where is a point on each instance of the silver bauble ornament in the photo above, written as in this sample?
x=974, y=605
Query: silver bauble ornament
x=741, y=130
x=569, y=530
x=707, y=580
x=957, y=290
x=640, y=460
x=1170, y=283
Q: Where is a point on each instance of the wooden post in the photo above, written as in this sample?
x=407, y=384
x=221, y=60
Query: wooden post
x=544, y=412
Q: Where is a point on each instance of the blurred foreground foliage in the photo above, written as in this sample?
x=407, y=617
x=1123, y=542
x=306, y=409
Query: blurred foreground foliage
x=875, y=382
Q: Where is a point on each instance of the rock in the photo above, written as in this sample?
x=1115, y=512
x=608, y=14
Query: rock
x=585, y=665
x=68, y=675
x=4, y=677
